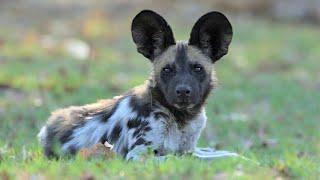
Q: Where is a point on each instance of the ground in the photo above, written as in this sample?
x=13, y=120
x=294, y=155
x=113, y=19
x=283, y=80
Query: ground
x=266, y=107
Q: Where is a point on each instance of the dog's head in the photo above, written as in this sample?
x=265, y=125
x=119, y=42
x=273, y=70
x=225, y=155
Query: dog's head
x=182, y=71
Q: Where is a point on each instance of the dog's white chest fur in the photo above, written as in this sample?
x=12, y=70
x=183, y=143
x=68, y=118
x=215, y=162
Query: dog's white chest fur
x=169, y=136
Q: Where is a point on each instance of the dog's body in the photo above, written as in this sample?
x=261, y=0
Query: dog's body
x=167, y=113
x=131, y=123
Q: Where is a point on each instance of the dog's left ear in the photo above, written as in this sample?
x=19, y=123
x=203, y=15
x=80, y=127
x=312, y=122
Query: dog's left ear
x=212, y=34
x=151, y=33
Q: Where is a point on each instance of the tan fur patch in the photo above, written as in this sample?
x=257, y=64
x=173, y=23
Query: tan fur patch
x=167, y=57
x=195, y=56
x=65, y=119
x=143, y=93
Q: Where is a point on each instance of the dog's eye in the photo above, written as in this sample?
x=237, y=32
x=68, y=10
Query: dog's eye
x=197, y=68
x=167, y=69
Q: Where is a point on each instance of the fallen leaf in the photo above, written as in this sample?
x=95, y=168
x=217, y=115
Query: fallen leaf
x=77, y=48
x=87, y=176
x=97, y=150
x=4, y=175
x=107, y=145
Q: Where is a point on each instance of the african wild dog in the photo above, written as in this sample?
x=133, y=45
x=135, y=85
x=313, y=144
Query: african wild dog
x=167, y=113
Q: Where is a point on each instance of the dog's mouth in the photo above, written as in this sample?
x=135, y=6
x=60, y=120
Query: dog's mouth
x=183, y=105
x=180, y=103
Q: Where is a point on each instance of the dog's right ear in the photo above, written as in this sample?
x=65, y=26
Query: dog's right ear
x=151, y=33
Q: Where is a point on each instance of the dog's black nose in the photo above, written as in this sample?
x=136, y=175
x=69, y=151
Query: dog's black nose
x=183, y=91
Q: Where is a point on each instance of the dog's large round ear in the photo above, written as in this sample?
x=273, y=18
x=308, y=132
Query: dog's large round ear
x=212, y=34
x=151, y=33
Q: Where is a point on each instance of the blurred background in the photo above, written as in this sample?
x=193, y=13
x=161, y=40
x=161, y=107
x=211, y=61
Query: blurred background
x=56, y=53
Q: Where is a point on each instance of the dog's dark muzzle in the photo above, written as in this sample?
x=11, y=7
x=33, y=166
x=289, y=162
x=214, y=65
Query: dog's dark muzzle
x=184, y=96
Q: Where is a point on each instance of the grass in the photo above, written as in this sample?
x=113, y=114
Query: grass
x=266, y=107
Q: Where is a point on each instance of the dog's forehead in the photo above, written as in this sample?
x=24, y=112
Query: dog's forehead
x=182, y=53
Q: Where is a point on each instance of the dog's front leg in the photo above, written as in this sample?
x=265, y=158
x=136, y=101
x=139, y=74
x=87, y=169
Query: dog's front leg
x=137, y=152
x=139, y=145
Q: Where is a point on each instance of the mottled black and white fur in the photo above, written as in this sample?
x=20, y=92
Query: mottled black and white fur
x=167, y=113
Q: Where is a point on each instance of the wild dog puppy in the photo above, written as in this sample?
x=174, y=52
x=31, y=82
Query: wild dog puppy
x=167, y=113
